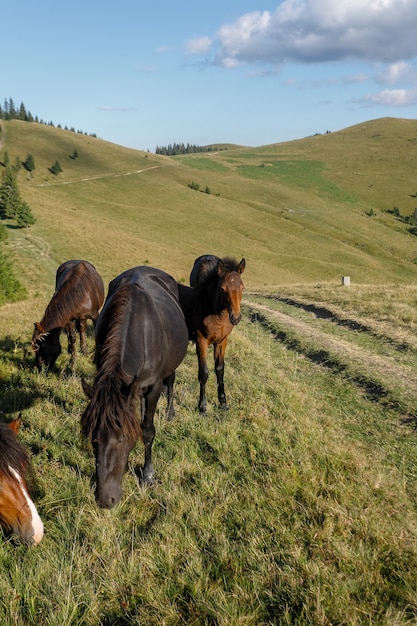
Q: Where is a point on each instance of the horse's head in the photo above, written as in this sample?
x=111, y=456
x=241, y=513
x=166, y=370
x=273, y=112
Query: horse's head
x=46, y=346
x=231, y=287
x=18, y=513
x=111, y=450
x=111, y=445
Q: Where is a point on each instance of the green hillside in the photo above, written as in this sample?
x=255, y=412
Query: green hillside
x=307, y=211
x=297, y=506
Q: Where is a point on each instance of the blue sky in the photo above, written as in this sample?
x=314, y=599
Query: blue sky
x=239, y=71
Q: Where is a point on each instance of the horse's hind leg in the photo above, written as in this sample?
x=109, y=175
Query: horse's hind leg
x=82, y=329
x=168, y=389
x=219, y=352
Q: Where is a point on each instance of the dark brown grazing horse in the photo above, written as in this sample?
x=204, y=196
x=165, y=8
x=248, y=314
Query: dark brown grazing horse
x=211, y=308
x=79, y=294
x=18, y=513
x=141, y=338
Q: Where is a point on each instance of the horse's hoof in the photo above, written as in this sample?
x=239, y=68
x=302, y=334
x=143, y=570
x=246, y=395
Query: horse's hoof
x=143, y=479
x=147, y=479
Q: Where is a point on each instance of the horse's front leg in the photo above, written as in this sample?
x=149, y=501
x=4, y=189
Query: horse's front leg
x=82, y=327
x=72, y=338
x=149, y=402
x=219, y=352
x=202, y=349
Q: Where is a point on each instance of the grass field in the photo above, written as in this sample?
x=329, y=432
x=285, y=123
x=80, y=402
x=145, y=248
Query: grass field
x=299, y=504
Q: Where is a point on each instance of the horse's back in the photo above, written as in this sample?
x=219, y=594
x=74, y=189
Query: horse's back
x=152, y=335
x=66, y=269
x=81, y=278
x=156, y=282
x=204, y=269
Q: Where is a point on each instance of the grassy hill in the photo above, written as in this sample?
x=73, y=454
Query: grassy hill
x=299, y=505
x=306, y=211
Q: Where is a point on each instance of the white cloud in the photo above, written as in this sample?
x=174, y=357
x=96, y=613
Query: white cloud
x=163, y=49
x=318, y=31
x=357, y=78
x=396, y=73
x=393, y=97
x=199, y=45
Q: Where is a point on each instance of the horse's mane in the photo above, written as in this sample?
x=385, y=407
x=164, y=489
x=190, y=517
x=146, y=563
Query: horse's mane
x=230, y=264
x=111, y=409
x=112, y=405
x=60, y=309
x=12, y=453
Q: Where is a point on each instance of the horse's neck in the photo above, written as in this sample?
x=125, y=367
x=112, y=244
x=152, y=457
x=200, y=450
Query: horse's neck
x=52, y=318
x=214, y=299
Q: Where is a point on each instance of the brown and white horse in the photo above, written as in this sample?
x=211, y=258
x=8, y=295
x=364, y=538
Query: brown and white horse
x=18, y=513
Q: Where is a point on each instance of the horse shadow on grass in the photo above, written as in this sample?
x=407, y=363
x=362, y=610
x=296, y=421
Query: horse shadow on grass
x=21, y=385
x=16, y=393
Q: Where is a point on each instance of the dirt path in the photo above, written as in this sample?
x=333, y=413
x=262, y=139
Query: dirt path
x=37, y=244
x=373, y=367
x=82, y=180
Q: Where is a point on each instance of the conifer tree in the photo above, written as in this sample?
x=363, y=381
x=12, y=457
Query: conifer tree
x=24, y=217
x=56, y=168
x=11, y=204
x=22, y=115
x=9, y=194
x=29, y=164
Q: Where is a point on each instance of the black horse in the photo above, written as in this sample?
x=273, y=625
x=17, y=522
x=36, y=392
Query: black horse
x=79, y=294
x=211, y=308
x=141, y=338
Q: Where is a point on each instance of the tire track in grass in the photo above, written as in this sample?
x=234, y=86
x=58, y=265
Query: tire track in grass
x=396, y=337
x=381, y=377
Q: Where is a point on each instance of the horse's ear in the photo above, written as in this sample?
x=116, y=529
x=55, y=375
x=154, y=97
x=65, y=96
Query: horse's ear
x=220, y=267
x=241, y=266
x=15, y=425
x=38, y=327
x=88, y=390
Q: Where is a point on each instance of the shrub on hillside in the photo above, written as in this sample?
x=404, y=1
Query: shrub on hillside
x=10, y=288
x=56, y=168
